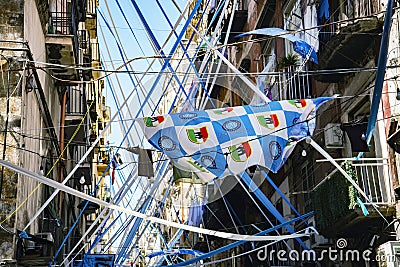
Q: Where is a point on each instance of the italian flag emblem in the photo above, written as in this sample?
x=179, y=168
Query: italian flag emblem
x=301, y=103
x=197, y=135
x=269, y=121
x=153, y=121
x=197, y=166
x=240, y=153
x=223, y=111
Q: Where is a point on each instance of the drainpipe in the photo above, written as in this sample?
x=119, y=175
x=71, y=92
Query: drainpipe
x=62, y=162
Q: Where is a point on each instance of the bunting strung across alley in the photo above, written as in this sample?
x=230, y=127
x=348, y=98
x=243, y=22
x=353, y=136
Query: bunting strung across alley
x=219, y=142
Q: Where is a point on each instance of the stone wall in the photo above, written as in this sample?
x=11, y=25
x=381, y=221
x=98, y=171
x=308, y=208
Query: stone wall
x=11, y=28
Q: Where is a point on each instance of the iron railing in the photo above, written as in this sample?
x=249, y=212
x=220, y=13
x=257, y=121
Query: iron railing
x=95, y=51
x=291, y=84
x=60, y=23
x=76, y=101
x=374, y=178
x=350, y=10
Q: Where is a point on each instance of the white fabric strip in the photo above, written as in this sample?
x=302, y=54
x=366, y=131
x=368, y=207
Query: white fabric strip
x=79, y=194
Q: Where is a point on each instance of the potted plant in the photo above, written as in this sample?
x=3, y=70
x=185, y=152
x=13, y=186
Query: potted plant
x=287, y=61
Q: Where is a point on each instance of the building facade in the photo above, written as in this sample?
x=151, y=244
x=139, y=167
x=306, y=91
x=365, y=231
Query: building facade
x=346, y=35
x=52, y=114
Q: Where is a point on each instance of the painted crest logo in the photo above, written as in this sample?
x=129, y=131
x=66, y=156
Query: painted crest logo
x=223, y=111
x=231, y=125
x=275, y=150
x=187, y=115
x=300, y=103
x=166, y=143
x=153, y=121
x=208, y=161
x=269, y=121
x=240, y=153
x=197, y=166
x=197, y=135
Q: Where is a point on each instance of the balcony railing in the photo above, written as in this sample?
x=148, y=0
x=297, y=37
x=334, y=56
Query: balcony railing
x=91, y=7
x=95, y=51
x=78, y=152
x=242, y=5
x=291, y=84
x=351, y=10
x=76, y=101
x=60, y=23
x=335, y=199
x=374, y=178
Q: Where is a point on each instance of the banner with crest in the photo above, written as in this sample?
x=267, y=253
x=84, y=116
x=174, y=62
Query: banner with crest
x=219, y=142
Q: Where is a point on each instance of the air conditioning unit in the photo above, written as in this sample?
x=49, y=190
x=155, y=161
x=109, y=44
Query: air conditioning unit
x=389, y=254
x=333, y=135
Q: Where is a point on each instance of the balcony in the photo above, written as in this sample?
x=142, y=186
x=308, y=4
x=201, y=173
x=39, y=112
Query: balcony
x=91, y=96
x=267, y=13
x=291, y=84
x=352, y=43
x=76, y=103
x=75, y=110
x=38, y=250
x=82, y=179
x=102, y=165
x=239, y=21
x=334, y=200
x=60, y=44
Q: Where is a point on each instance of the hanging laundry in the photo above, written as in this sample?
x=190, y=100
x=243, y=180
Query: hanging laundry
x=218, y=142
x=266, y=89
x=195, y=213
x=116, y=161
x=303, y=48
x=323, y=10
x=356, y=131
x=145, y=167
x=310, y=24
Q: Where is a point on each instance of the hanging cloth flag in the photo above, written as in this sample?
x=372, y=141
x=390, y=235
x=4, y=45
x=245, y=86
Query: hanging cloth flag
x=323, y=10
x=196, y=211
x=218, y=142
x=145, y=166
x=300, y=46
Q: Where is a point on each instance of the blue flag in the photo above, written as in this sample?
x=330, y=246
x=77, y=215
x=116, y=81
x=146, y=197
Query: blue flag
x=300, y=46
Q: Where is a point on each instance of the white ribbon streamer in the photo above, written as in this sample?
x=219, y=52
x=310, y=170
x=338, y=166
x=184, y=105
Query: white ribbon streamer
x=79, y=194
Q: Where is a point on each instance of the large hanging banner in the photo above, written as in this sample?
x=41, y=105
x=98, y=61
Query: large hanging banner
x=219, y=142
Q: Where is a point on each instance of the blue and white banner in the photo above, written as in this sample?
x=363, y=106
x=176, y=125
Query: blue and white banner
x=219, y=142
